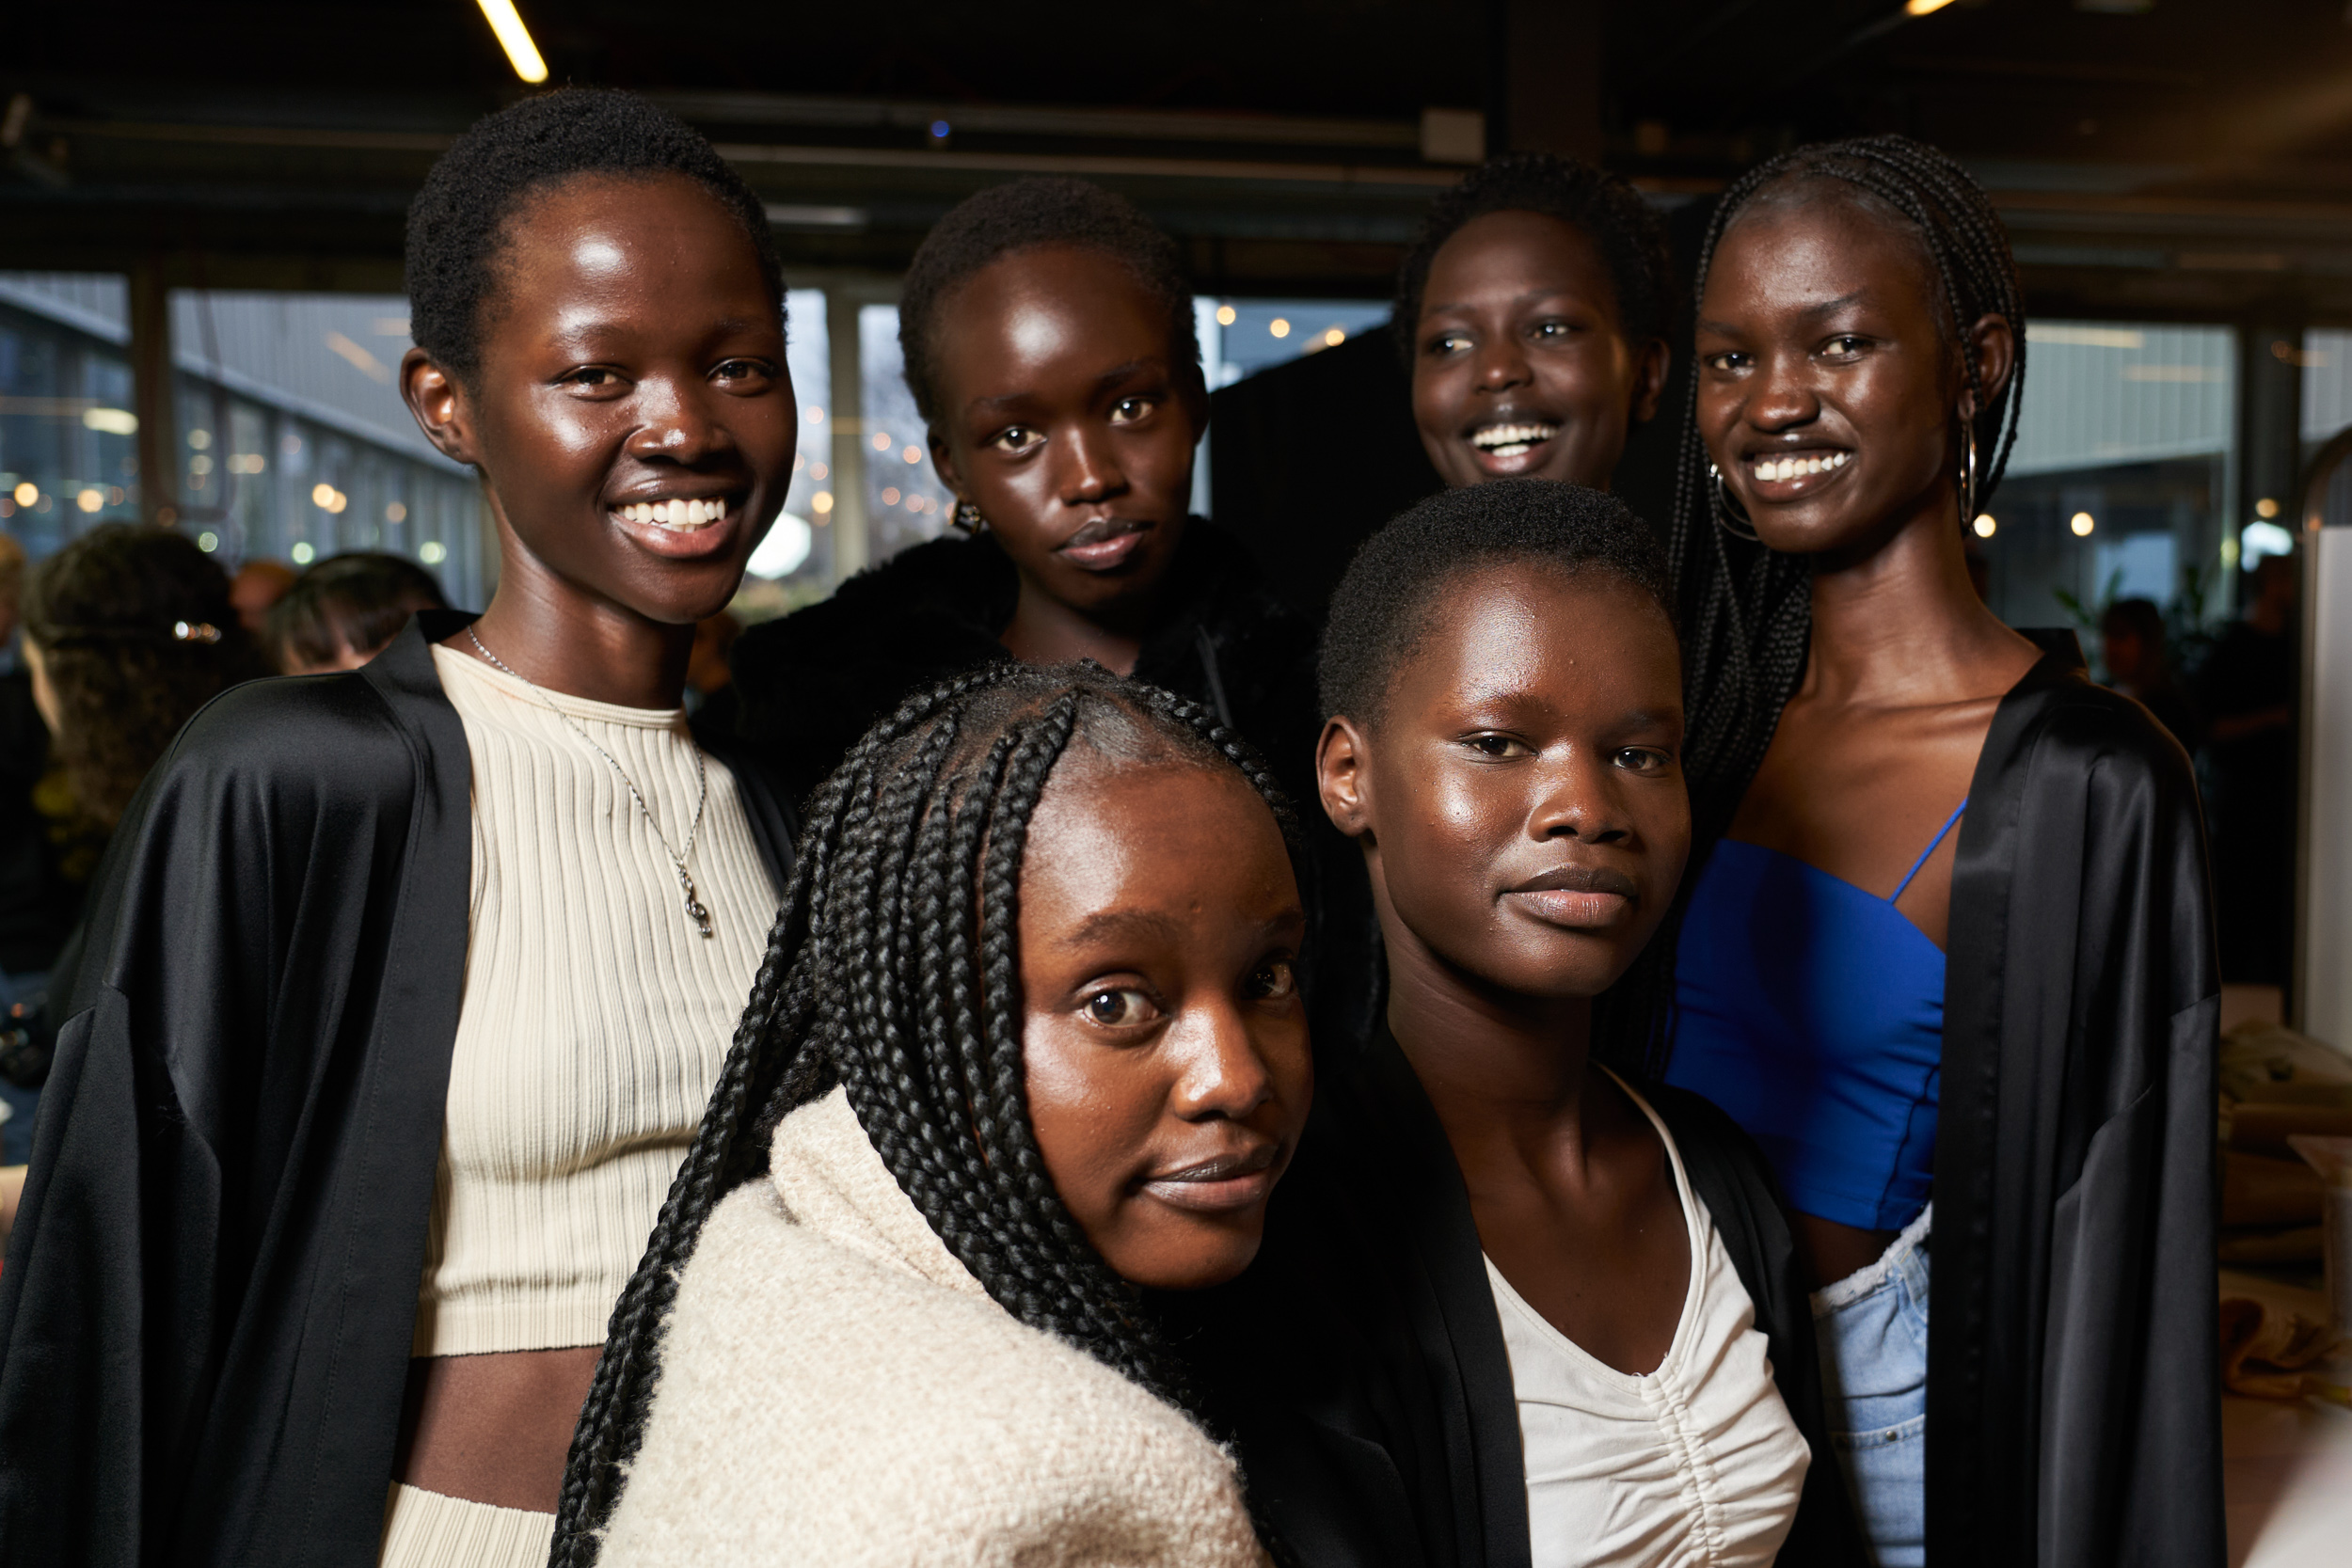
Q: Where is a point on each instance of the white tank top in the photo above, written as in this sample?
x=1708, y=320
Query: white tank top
x=1695, y=1464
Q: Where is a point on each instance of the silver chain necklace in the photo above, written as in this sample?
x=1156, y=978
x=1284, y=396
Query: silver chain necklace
x=695, y=910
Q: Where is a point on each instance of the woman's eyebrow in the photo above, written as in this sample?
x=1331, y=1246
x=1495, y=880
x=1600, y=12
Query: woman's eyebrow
x=1118, y=373
x=1125, y=923
x=1519, y=301
x=1822, y=307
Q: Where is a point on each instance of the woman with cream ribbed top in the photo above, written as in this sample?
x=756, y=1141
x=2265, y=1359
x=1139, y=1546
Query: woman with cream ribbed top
x=594, y=1020
x=627, y=405
x=409, y=984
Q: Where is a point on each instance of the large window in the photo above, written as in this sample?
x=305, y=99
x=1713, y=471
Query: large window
x=1242, y=337
x=290, y=440
x=905, y=502
x=2121, y=475
x=68, y=441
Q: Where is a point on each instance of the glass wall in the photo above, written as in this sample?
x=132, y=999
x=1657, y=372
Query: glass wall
x=905, y=502
x=295, y=444
x=69, y=455
x=291, y=440
x=2121, y=479
x=1242, y=337
x=794, y=564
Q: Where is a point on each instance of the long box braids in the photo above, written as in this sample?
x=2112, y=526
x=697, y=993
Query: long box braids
x=892, y=971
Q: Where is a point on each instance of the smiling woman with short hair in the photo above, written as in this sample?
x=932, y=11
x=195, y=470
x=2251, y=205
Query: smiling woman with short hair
x=408, y=986
x=1532, y=315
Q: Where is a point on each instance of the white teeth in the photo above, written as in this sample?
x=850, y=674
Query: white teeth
x=676, y=514
x=1508, y=441
x=1769, y=468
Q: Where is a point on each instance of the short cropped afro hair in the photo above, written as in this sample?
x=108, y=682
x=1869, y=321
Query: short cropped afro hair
x=1385, y=604
x=1630, y=237
x=1024, y=216
x=458, y=225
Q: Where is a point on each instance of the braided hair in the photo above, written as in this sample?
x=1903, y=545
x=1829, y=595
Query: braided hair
x=1746, y=610
x=892, y=970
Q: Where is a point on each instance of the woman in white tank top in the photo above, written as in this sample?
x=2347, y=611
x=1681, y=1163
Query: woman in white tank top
x=1511, y=1311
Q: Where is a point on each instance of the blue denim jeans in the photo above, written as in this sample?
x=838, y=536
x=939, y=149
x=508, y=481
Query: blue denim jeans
x=1872, y=1329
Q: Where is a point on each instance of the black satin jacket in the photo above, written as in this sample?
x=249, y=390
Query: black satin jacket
x=206, y=1311
x=2074, y=1380
x=1360, y=1364
x=814, y=681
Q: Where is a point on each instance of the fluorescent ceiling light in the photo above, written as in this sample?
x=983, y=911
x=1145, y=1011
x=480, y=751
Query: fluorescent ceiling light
x=515, y=39
x=1911, y=8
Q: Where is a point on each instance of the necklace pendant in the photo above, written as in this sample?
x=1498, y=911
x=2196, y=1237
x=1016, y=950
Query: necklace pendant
x=695, y=910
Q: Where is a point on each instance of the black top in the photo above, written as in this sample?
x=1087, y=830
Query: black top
x=1361, y=1361
x=2074, y=1384
x=1305, y=518
x=811, y=684
x=814, y=681
x=206, y=1311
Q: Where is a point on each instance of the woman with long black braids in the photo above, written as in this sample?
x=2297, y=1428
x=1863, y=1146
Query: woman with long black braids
x=1026, y=1043
x=1946, y=948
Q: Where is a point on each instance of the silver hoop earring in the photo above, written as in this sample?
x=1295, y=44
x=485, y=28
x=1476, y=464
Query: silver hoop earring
x=1729, y=516
x=968, y=518
x=1968, y=484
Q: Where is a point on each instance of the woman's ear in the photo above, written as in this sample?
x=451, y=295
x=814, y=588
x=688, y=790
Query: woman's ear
x=439, y=404
x=1994, y=341
x=944, y=465
x=1649, y=380
x=1195, y=397
x=1343, y=776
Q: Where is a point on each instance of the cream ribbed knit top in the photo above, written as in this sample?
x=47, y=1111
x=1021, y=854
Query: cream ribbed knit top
x=594, y=1017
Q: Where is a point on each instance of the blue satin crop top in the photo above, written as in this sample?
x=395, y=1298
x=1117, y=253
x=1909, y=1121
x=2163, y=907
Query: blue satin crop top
x=1813, y=1013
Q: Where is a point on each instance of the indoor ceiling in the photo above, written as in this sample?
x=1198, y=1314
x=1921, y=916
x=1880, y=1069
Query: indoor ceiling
x=2153, y=159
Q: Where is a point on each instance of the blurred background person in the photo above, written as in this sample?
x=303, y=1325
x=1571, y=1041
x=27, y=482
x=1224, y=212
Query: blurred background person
x=257, y=586
x=2248, y=690
x=36, y=904
x=341, y=613
x=2140, y=665
x=128, y=631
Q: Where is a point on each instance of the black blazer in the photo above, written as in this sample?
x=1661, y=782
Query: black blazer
x=206, y=1311
x=1360, y=1365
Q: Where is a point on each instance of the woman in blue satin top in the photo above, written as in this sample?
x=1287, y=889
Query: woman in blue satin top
x=1945, y=950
